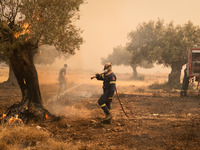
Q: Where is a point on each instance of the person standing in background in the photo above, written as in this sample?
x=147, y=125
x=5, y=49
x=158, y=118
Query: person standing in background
x=185, y=83
x=62, y=79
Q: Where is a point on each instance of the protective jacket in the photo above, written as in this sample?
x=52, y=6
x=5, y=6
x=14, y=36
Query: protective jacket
x=109, y=84
x=109, y=88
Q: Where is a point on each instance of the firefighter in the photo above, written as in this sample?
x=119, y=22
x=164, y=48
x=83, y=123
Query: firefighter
x=109, y=87
x=62, y=80
x=185, y=83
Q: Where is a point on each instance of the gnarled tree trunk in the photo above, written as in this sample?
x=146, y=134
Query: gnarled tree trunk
x=24, y=69
x=135, y=74
x=174, y=76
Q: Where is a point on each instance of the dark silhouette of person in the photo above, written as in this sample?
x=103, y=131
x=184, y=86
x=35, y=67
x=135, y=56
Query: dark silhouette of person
x=185, y=83
x=62, y=80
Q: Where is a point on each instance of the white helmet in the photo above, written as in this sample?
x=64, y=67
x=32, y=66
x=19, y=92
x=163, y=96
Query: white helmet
x=108, y=66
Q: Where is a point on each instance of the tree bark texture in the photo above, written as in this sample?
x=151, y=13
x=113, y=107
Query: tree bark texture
x=26, y=75
x=24, y=69
x=135, y=74
x=174, y=76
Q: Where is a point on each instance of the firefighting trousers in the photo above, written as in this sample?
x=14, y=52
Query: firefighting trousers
x=185, y=83
x=104, y=103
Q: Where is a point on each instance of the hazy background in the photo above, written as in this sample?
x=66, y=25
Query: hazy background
x=106, y=24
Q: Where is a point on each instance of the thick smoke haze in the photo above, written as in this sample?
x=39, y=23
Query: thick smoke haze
x=105, y=25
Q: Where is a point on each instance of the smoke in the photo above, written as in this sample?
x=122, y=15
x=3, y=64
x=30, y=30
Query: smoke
x=45, y=55
x=75, y=101
x=71, y=111
x=80, y=88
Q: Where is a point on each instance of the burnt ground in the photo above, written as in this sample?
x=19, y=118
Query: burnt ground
x=157, y=119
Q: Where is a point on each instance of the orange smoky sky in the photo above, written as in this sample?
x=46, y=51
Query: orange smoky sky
x=106, y=23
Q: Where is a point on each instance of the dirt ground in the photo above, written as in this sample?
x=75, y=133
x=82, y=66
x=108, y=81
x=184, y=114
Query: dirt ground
x=157, y=119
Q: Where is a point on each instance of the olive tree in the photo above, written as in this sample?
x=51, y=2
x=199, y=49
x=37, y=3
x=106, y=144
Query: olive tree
x=26, y=24
x=165, y=44
x=172, y=51
x=121, y=56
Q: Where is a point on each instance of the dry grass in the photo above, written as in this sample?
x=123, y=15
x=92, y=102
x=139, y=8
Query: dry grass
x=26, y=138
x=80, y=128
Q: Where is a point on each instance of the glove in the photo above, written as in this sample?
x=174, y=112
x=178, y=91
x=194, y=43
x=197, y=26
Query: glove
x=97, y=75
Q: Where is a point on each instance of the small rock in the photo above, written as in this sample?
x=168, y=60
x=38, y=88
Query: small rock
x=38, y=127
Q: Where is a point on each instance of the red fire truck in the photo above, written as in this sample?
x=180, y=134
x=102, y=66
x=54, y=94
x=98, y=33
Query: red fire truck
x=194, y=64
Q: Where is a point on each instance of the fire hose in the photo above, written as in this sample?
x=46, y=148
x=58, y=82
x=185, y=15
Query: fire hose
x=120, y=103
x=117, y=98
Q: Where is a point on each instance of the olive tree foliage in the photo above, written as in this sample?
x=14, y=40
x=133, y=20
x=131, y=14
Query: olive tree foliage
x=165, y=44
x=27, y=24
x=143, y=40
x=120, y=56
x=47, y=22
x=172, y=51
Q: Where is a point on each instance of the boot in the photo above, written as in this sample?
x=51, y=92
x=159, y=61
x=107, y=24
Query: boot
x=181, y=94
x=107, y=119
x=108, y=116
